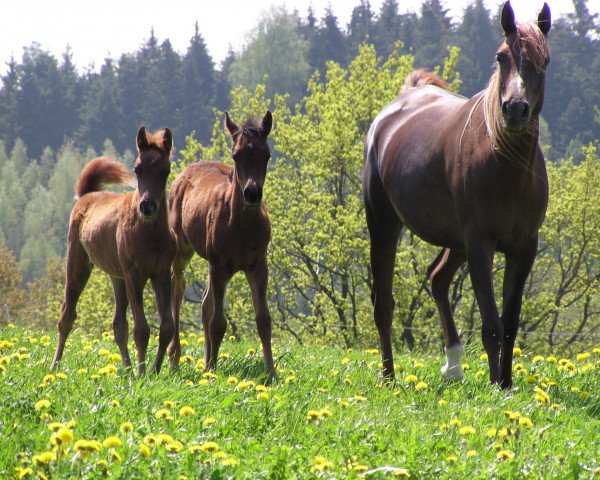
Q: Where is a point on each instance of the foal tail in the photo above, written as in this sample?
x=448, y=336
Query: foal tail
x=421, y=77
x=101, y=171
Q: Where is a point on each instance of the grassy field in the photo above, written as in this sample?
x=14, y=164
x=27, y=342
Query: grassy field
x=328, y=415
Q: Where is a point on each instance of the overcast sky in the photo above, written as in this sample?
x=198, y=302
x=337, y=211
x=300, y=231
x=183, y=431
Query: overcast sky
x=107, y=28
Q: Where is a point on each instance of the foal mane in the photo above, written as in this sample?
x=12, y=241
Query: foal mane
x=533, y=46
x=251, y=127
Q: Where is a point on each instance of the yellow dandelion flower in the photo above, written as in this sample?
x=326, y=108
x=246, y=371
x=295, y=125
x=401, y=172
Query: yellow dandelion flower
x=360, y=398
x=345, y=360
x=103, y=352
x=455, y=422
x=210, y=447
x=325, y=413
x=55, y=426
x=451, y=459
x=555, y=406
x=208, y=421
x=313, y=415
x=584, y=394
x=23, y=472
x=199, y=365
x=163, y=414
x=512, y=415
x=517, y=352
x=145, y=451
x=63, y=436
x=224, y=356
x=418, y=365
x=402, y=473
x=112, y=442
x=471, y=453
x=164, y=438
x=174, y=447
x=126, y=427
x=596, y=351
x=244, y=385
x=503, y=432
x=82, y=371
x=115, y=403
x=344, y=404
x=230, y=462
x=505, y=455
x=372, y=351
x=419, y=387
x=320, y=464
x=114, y=357
x=483, y=356
x=466, y=430
x=115, y=456
x=42, y=405
x=442, y=401
x=186, y=359
x=537, y=359
x=43, y=459
x=61, y=375
x=551, y=359
x=186, y=411
x=525, y=422
x=250, y=352
x=194, y=448
x=184, y=343
x=109, y=370
x=232, y=380
x=262, y=396
x=204, y=382
x=261, y=388
x=169, y=404
x=411, y=379
x=151, y=440
x=531, y=378
x=232, y=338
x=5, y=345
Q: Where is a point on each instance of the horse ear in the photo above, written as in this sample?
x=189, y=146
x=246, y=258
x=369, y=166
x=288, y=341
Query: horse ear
x=508, y=19
x=142, y=140
x=544, y=22
x=167, y=141
x=231, y=126
x=267, y=123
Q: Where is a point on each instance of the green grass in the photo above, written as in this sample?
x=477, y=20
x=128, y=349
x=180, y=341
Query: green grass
x=328, y=415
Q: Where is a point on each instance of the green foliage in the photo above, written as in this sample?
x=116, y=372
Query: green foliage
x=328, y=416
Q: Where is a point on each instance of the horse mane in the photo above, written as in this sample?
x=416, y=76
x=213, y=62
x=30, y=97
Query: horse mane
x=252, y=126
x=534, y=46
x=101, y=171
x=421, y=77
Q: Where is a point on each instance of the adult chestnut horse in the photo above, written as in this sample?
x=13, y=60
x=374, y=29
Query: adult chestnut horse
x=128, y=237
x=467, y=175
x=217, y=212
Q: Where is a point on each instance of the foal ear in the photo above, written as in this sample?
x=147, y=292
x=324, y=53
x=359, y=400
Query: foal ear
x=231, y=126
x=544, y=22
x=267, y=123
x=508, y=19
x=167, y=141
x=142, y=139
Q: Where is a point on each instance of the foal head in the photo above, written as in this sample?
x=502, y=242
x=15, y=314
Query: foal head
x=520, y=75
x=152, y=168
x=251, y=153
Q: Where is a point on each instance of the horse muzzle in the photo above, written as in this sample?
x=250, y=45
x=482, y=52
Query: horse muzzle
x=516, y=114
x=253, y=195
x=148, y=209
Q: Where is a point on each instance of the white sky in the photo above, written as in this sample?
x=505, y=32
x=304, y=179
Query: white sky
x=96, y=29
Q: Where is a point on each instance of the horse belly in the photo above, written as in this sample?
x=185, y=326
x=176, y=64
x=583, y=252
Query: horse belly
x=98, y=237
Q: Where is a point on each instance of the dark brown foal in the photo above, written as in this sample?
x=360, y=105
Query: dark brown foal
x=128, y=237
x=217, y=212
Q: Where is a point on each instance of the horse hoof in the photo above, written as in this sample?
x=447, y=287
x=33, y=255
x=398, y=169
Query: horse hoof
x=454, y=373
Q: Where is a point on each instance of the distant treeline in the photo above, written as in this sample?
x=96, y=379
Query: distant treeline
x=44, y=101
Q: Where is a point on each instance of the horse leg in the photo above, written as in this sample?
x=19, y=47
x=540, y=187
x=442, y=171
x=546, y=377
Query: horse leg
x=480, y=256
x=162, y=292
x=518, y=266
x=218, y=280
x=384, y=231
x=206, y=315
x=440, y=274
x=258, y=280
x=120, y=327
x=78, y=271
x=177, y=289
x=134, y=286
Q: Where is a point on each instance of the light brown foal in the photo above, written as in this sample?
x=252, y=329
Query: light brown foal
x=217, y=212
x=128, y=237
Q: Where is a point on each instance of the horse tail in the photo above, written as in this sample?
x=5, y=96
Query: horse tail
x=421, y=77
x=101, y=171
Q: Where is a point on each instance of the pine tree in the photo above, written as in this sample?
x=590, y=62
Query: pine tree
x=431, y=35
x=361, y=26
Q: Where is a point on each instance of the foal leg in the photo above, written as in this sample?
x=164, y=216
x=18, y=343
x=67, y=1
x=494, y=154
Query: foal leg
x=218, y=322
x=120, y=327
x=177, y=289
x=162, y=292
x=440, y=274
x=79, y=269
x=258, y=280
x=134, y=285
x=208, y=306
x=480, y=255
x=518, y=266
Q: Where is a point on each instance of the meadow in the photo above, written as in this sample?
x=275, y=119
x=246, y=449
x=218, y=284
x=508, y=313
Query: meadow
x=327, y=416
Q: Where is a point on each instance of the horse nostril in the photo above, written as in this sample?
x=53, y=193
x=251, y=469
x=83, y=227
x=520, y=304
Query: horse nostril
x=253, y=195
x=147, y=208
x=525, y=112
x=505, y=108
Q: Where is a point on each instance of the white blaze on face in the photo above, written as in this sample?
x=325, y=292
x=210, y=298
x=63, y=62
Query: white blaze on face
x=452, y=370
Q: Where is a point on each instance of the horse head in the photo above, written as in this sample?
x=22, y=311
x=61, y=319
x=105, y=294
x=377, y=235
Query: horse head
x=152, y=168
x=522, y=60
x=251, y=154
